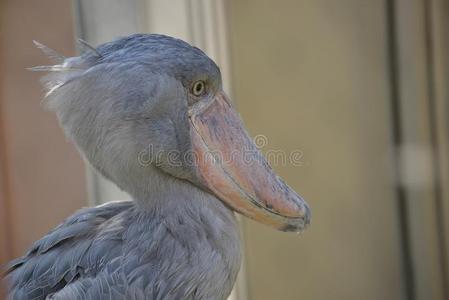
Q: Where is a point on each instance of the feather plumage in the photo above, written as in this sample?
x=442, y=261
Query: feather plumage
x=175, y=241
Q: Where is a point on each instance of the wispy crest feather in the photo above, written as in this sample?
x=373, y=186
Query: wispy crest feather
x=65, y=69
x=52, y=54
x=86, y=47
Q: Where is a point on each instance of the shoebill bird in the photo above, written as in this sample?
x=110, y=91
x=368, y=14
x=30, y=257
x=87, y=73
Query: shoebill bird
x=148, y=112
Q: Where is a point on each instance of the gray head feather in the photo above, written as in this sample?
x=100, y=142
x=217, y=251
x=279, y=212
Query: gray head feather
x=126, y=96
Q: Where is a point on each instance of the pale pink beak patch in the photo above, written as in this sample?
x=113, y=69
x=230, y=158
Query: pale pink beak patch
x=232, y=167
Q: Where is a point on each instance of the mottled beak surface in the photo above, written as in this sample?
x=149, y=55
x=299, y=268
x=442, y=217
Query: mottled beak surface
x=231, y=167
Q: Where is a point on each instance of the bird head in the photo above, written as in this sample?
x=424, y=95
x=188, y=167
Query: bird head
x=147, y=104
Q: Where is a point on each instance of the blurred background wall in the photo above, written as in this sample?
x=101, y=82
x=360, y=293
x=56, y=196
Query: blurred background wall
x=42, y=178
x=357, y=89
x=361, y=88
x=322, y=86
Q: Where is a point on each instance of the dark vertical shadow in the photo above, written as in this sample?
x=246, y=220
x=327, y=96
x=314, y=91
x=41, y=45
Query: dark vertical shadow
x=439, y=207
x=393, y=63
x=78, y=24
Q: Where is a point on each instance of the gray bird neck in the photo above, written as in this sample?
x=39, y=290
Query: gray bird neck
x=195, y=234
x=191, y=215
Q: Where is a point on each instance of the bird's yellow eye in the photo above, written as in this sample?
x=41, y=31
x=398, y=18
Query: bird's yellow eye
x=199, y=88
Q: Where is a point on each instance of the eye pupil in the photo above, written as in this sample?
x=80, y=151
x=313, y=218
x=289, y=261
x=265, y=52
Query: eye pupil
x=198, y=88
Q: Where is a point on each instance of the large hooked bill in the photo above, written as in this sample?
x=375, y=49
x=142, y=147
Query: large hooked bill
x=232, y=168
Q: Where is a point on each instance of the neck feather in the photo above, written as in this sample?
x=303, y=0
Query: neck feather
x=195, y=234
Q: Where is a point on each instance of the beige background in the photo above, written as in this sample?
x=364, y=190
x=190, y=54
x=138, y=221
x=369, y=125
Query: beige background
x=313, y=75
x=350, y=84
x=42, y=177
